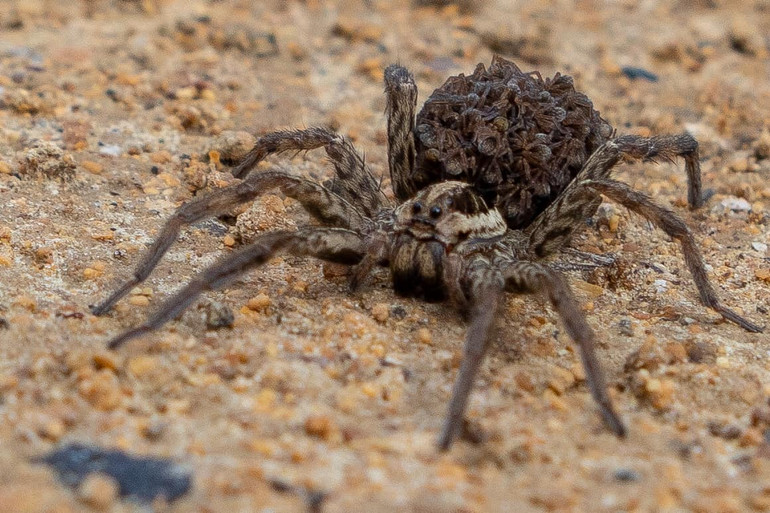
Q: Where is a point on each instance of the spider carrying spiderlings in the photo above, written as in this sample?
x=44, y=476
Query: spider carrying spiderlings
x=497, y=172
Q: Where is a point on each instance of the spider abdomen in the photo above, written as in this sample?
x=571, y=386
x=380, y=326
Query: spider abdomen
x=517, y=138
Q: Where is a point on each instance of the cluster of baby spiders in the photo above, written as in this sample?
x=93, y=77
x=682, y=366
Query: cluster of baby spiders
x=497, y=172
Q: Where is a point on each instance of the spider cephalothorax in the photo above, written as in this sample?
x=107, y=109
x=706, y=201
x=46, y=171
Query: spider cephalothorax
x=429, y=227
x=468, y=240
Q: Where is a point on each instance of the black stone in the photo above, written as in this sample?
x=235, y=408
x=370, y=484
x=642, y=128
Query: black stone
x=626, y=475
x=142, y=479
x=635, y=73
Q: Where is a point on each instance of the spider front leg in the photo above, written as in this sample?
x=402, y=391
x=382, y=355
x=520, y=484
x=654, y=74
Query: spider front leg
x=353, y=181
x=331, y=244
x=485, y=291
x=483, y=310
x=525, y=277
x=320, y=202
x=401, y=96
x=675, y=227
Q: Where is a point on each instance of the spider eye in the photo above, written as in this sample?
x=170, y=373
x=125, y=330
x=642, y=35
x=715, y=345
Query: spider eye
x=417, y=207
x=435, y=212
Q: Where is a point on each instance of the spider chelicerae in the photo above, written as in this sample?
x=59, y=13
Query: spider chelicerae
x=497, y=172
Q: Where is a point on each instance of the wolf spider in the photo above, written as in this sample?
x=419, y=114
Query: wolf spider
x=442, y=240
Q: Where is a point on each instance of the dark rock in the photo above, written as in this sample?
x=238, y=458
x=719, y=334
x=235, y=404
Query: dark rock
x=626, y=475
x=636, y=73
x=142, y=479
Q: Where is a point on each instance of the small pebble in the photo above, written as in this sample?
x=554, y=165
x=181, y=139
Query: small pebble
x=258, y=303
x=354, y=29
x=560, y=380
x=92, y=167
x=726, y=431
x=626, y=475
x=53, y=430
x=44, y=255
x=762, y=146
x=161, y=157
x=424, y=336
x=593, y=291
x=736, y=204
x=381, y=312
x=102, y=390
x=320, y=426
x=700, y=352
x=139, y=300
x=578, y=372
x=233, y=146
x=661, y=393
x=98, y=491
x=634, y=73
x=47, y=159
x=111, y=149
x=218, y=315
x=185, y=93
x=105, y=360
x=142, y=365
x=746, y=37
x=750, y=437
x=626, y=327
x=759, y=246
x=90, y=273
x=154, y=430
x=398, y=312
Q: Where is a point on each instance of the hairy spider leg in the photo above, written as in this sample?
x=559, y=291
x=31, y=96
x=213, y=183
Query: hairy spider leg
x=676, y=228
x=354, y=182
x=523, y=278
x=331, y=244
x=526, y=277
x=483, y=311
x=556, y=225
x=401, y=96
x=326, y=206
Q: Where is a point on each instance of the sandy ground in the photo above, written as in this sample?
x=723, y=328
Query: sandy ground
x=109, y=112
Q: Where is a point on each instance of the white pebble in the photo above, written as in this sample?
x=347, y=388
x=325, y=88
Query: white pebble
x=111, y=149
x=736, y=204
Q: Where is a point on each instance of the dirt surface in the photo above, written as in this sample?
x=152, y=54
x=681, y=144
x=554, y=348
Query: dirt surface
x=113, y=113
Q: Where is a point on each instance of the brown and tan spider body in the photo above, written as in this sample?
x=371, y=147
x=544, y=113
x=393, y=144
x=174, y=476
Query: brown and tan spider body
x=451, y=236
x=442, y=219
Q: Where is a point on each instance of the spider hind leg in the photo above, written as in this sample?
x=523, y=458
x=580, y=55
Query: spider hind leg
x=676, y=228
x=556, y=225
